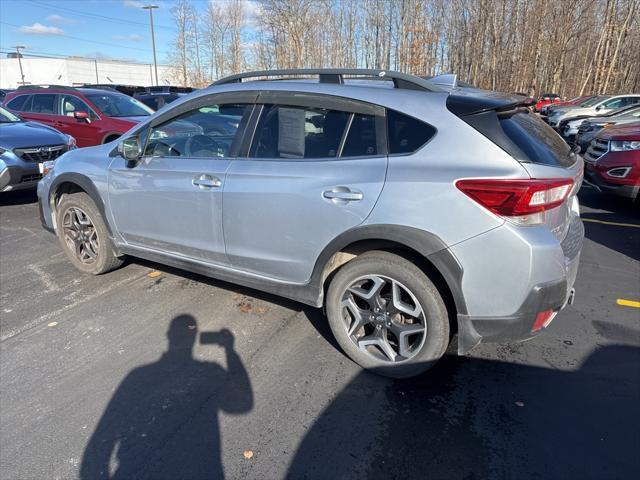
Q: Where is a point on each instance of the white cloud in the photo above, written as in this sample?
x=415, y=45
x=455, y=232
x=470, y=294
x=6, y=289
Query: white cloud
x=60, y=20
x=132, y=4
x=134, y=37
x=39, y=29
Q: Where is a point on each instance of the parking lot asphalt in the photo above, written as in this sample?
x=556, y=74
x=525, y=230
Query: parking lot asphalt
x=151, y=372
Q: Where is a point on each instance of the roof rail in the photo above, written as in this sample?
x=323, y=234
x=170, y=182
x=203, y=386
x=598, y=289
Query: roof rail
x=336, y=75
x=45, y=85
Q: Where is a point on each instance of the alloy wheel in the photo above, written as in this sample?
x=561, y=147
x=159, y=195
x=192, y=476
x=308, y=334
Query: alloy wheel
x=383, y=318
x=80, y=235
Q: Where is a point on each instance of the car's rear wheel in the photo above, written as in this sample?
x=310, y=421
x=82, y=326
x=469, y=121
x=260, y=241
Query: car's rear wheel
x=84, y=236
x=387, y=315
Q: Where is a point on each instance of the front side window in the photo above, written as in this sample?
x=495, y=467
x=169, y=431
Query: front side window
x=298, y=132
x=119, y=105
x=44, y=103
x=18, y=103
x=71, y=104
x=206, y=132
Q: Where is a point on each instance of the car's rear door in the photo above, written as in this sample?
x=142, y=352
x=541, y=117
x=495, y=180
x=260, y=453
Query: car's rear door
x=43, y=108
x=315, y=169
x=171, y=201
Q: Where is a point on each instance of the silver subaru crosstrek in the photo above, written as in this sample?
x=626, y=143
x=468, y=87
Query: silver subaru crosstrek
x=416, y=215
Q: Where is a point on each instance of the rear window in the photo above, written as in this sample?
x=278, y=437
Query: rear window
x=406, y=134
x=537, y=141
x=17, y=103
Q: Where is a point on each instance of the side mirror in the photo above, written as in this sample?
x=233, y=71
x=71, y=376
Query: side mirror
x=84, y=116
x=598, y=109
x=131, y=150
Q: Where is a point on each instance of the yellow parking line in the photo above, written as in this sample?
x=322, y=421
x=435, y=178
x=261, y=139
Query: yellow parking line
x=615, y=224
x=628, y=303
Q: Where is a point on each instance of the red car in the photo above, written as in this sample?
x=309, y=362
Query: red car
x=546, y=99
x=92, y=116
x=574, y=101
x=612, y=161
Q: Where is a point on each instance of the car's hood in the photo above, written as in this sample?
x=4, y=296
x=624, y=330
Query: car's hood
x=133, y=119
x=29, y=134
x=629, y=132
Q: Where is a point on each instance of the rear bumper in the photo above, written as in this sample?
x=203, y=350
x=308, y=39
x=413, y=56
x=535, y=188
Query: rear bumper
x=518, y=326
x=512, y=276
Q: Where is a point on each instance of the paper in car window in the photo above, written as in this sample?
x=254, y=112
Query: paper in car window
x=291, y=132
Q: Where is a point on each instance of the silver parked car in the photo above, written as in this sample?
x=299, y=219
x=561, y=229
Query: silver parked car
x=408, y=212
x=25, y=148
x=603, y=104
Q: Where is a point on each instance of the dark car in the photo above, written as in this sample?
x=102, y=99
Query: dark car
x=93, y=116
x=24, y=146
x=156, y=101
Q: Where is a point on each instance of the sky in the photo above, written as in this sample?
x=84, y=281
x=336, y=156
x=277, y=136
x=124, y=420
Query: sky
x=90, y=28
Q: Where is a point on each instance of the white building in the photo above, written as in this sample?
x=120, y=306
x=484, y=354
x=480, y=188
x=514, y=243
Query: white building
x=73, y=71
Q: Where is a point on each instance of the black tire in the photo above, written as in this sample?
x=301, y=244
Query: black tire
x=404, y=273
x=105, y=259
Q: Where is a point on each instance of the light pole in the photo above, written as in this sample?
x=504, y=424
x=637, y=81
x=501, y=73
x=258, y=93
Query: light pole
x=153, y=38
x=18, y=47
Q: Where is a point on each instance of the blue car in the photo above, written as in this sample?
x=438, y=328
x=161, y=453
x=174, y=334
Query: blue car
x=26, y=150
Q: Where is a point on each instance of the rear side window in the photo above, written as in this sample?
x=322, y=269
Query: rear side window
x=536, y=141
x=18, y=103
x=44, y=103
x=298, y=132
x=406, y=134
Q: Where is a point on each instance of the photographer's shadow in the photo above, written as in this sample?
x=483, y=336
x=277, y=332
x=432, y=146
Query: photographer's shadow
x=162, y=421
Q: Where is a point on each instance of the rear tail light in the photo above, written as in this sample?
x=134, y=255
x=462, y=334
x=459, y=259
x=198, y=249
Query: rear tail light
x=542, y=320
x=523, y=201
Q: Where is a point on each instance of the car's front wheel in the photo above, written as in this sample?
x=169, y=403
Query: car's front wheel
x=387, y=315
x=84, y=236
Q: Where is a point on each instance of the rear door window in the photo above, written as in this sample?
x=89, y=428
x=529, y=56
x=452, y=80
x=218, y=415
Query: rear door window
x=363, y=138
x=406, y=134
x=44, y=103
x=535, y=141
x=296, y=132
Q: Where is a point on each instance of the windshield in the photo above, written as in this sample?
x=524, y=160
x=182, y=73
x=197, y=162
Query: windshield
x=592, y=101
x=119, y=105
x=8, y=117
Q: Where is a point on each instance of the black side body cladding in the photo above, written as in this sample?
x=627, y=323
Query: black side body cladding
x=85, y=184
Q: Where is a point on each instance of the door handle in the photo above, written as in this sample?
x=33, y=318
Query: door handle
x=206, y=181
x=342, y=195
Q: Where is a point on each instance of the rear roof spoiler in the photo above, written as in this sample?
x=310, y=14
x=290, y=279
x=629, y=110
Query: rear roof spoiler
x=462, y=104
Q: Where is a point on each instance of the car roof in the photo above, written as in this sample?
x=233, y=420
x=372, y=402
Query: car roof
x=57, y=90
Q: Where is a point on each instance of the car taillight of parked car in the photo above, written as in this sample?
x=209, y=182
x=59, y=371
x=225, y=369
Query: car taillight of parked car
x=521, y=201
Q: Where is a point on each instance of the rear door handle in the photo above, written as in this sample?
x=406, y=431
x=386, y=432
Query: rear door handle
x=205, y=181
x=342, y=195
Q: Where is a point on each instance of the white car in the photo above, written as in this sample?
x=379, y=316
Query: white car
x=599, y=106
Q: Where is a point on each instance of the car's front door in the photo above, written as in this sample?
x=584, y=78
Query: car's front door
x=84, y=131
x=171, y=200
x=315, y=170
